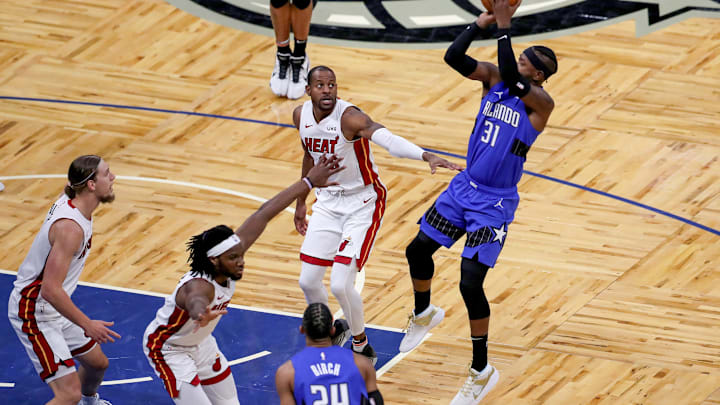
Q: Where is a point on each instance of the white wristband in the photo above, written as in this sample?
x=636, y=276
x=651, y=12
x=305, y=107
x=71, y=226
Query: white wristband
x=397, y=145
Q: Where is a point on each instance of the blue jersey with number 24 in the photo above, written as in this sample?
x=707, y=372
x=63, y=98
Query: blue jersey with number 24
x=327, y=376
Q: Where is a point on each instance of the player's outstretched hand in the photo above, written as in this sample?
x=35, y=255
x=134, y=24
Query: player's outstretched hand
x=325, y=167
x=504, y=11
x=436, y=161
x=208, y=315
x=485, y=19
x=301, y=222
x=98, y=331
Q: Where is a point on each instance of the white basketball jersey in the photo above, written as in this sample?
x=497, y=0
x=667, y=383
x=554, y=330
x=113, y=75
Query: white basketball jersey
x=326, y=137
x=32, y=268
x=173, y=325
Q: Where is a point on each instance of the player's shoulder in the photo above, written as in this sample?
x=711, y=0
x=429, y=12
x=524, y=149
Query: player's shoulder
x=362, y=362
x=286, y=370
x=297, y=113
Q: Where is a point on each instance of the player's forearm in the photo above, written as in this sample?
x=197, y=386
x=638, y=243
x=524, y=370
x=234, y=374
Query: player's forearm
x=307, y=164
x=251, y=229
x=60, y=300
x=397, y=145
x=456, y=56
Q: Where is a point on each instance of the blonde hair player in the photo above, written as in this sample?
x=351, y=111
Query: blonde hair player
x=52, y=329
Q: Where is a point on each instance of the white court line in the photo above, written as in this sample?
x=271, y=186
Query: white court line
x=126, y=381
x=395, y=360
x=245, y=307
x=154, y=180
x=248, y=358
x=7, y=385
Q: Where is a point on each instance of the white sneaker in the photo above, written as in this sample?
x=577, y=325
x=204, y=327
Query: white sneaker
x=280, y=78
x=419, y=326
x=2, y=187
x=299, y=67
x=94, y=400
x=476, y=386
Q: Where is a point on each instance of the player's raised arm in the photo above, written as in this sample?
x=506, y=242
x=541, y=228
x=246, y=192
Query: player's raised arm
x=318, y=176
x=356, y=123
x=457, y=58
x=526, y=86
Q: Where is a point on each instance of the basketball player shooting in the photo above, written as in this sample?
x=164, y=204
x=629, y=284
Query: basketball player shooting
x=481, y=201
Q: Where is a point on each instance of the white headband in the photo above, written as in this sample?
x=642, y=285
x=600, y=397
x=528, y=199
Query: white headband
x=223, y=246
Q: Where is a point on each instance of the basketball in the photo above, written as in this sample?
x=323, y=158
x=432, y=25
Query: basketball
x=489, y=4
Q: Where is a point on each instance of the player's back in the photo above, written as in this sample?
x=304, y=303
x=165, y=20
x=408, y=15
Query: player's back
x=328, y=375
x=501, y=138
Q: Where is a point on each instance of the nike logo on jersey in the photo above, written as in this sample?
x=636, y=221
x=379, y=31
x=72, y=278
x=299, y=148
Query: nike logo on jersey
x=365, y=201
x=308, y=126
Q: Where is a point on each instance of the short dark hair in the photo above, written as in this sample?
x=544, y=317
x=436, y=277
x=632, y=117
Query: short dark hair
x=317, y=68
x=82, y=170
x=199, y=245
x=317, y=321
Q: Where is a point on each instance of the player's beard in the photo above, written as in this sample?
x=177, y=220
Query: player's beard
x=229, y=274
x=108, y=198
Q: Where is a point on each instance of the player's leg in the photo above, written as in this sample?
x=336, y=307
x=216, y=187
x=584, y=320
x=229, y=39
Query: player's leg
x=441, y=225
x=66, y=390
x=46, y=347
x=91, y=371
x=280, y=16
x=176, y=369
x=216, y=378
x=93, y=362
x=189, y=394
x=482, y=376
x=342, y=284
x=364, y=218
x=317, y=252
x=486, y=233
x=300, y=16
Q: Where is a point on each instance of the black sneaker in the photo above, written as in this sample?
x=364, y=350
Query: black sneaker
x=342, y=332
x=368, y=352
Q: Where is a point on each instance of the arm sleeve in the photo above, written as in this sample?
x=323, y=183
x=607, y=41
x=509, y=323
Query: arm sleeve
x=375, y=398
x=455, y=55
x=397, y=145
x=518, y=85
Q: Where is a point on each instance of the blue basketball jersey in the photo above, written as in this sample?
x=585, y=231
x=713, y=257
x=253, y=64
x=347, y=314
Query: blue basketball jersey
x=327, y=375
x=500, y=139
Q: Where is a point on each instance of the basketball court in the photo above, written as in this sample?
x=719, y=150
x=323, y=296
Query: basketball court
x=607, y=290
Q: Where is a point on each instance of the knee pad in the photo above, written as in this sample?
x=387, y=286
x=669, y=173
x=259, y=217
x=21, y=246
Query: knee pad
x=419, y=256
x=300, y=4
x=472, y=276
x=278, y=3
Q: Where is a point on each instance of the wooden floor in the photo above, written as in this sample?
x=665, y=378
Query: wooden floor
x=594, y=301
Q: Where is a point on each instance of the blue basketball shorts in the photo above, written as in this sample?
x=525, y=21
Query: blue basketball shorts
x=466, y=207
